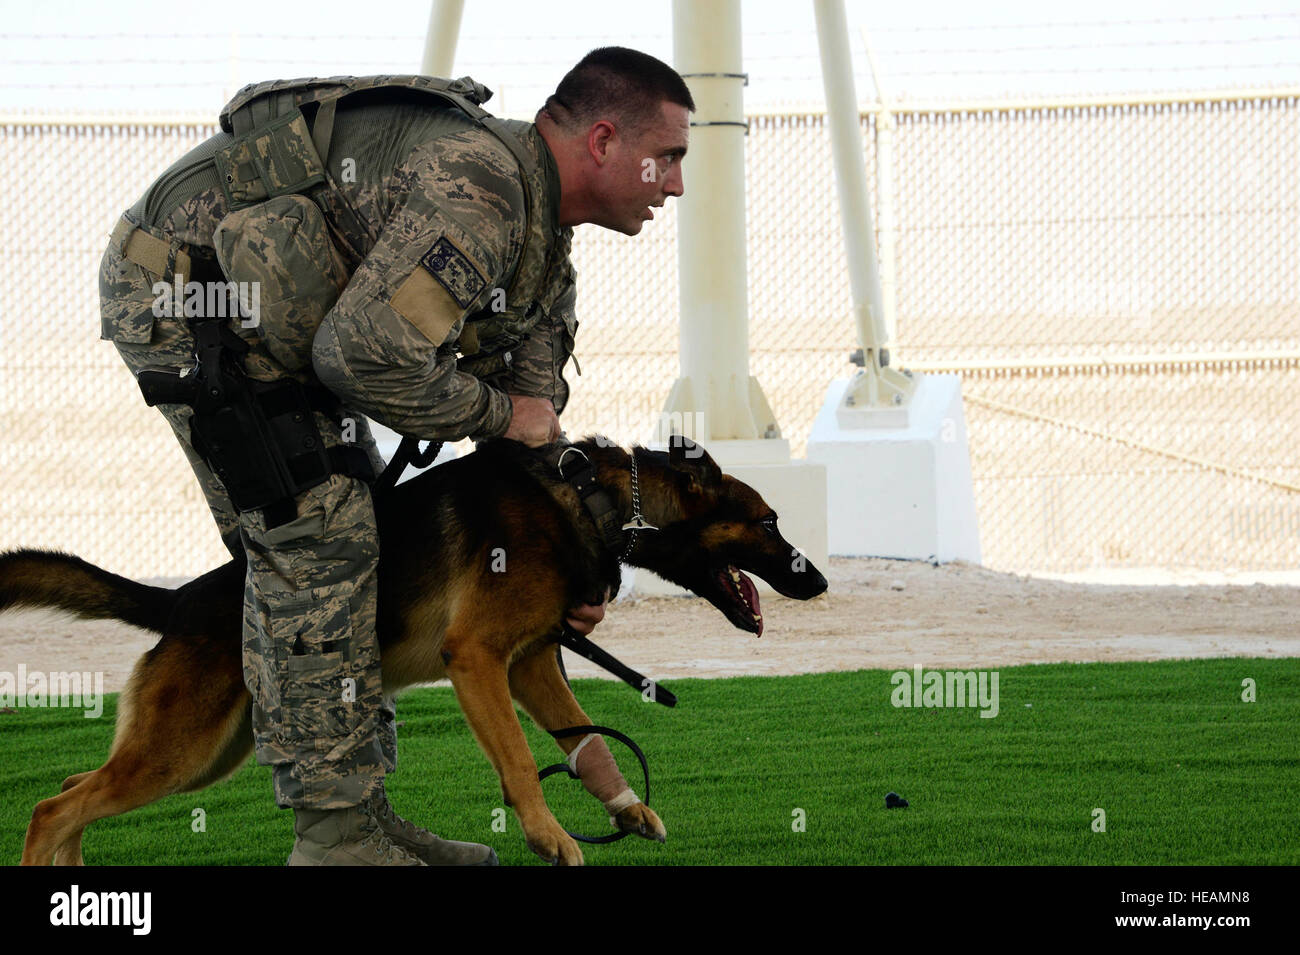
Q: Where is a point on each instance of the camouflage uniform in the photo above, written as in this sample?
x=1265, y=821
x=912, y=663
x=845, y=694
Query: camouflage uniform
x=429, y=217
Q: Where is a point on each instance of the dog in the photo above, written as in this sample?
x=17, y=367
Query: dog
x=184, y=719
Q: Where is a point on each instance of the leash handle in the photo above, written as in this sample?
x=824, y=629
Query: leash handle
x=566, y=768
x=408, y=452
x=422, y=459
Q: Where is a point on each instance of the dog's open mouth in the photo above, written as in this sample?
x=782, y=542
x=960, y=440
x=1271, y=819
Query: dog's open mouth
x=746, y=613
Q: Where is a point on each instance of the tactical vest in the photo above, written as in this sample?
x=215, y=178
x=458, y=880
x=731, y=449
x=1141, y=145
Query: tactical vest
x=277, y=153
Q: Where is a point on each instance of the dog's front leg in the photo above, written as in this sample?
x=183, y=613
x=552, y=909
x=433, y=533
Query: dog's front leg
x=540, y=688
x=479, y=678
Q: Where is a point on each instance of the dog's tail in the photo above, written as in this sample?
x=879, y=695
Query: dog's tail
x=37, y=578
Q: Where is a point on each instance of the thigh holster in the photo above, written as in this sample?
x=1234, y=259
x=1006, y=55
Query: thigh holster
x=259, y=437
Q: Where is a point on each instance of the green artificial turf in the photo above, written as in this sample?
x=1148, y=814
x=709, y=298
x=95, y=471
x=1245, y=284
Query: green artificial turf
x=1186, y=772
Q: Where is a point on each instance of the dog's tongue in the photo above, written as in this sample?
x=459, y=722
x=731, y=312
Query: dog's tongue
x=750, y=593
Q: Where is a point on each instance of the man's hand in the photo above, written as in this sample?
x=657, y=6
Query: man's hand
x=584, y=617
x=534, y=422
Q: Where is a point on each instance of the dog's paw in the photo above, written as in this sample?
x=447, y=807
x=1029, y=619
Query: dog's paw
x=642, y=820
x=554, y=845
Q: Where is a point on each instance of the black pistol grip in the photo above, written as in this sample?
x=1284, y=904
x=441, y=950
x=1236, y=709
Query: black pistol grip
x=164, y=386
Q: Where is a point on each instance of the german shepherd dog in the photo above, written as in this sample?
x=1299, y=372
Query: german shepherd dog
x=184, y=719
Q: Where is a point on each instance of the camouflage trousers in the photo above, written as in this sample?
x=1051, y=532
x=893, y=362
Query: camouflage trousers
x=310, y=648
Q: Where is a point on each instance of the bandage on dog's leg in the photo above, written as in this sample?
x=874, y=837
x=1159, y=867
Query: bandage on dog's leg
x=595, y=766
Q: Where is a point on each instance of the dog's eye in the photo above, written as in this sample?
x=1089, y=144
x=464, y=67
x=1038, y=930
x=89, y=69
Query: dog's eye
x=769, y=524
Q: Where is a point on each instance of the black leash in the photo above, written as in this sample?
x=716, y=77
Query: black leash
x=408, y=452
x=585, y=648
x=566, y=768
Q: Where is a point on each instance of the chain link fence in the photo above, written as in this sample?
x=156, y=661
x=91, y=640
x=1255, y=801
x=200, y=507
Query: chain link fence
x=1116, y=284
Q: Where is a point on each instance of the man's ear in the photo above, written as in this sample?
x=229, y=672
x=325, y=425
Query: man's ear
x=685, y=455
x=598, y=139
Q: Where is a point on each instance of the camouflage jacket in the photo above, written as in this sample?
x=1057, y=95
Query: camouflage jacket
x=432, y=253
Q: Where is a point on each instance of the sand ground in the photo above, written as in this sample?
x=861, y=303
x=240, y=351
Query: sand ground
x=877, y=614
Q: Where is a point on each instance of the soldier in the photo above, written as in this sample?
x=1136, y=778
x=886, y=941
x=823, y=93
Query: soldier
x=400, y=254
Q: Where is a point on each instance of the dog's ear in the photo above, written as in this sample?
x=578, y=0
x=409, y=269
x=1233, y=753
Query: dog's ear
x=685, y=455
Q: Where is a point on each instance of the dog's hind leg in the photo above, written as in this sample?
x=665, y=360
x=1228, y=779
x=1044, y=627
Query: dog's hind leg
x=54, y=834
x=132, y=777
x=70, y=852
x=124, y=782
x=231, y=757
x=183, y=722
x=537, y=682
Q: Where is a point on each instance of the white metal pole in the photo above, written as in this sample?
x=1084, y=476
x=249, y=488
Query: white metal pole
x=850, y=171
x=888, y=228
x=440, y=41
x=888, y=221
x=714, y=324
x=876, y=385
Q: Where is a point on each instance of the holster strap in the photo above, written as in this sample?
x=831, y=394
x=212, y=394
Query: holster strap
x=322, y=128
x=352, y=461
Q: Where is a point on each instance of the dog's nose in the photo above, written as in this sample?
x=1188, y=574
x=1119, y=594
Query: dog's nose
x=806, y=584
x=819, y=584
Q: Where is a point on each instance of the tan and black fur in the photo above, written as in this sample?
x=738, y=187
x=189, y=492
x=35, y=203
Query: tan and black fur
x=184, y=718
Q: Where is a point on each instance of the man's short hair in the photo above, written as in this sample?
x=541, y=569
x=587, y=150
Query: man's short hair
x=616, y=83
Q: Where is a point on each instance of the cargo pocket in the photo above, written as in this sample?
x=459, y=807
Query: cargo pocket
x=322, y=674
x=310, y=523
x=288, y=269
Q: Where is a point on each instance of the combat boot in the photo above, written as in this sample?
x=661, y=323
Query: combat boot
x=344, y=837
x=422, y=843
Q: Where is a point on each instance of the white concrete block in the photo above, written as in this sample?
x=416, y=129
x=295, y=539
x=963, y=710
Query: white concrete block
x=902, y=492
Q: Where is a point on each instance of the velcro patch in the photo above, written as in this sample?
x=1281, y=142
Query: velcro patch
x=454, y=271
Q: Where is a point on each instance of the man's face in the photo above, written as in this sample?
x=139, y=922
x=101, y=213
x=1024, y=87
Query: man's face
x=642, y=169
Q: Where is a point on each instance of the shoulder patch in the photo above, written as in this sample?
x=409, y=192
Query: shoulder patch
x=454, y=271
